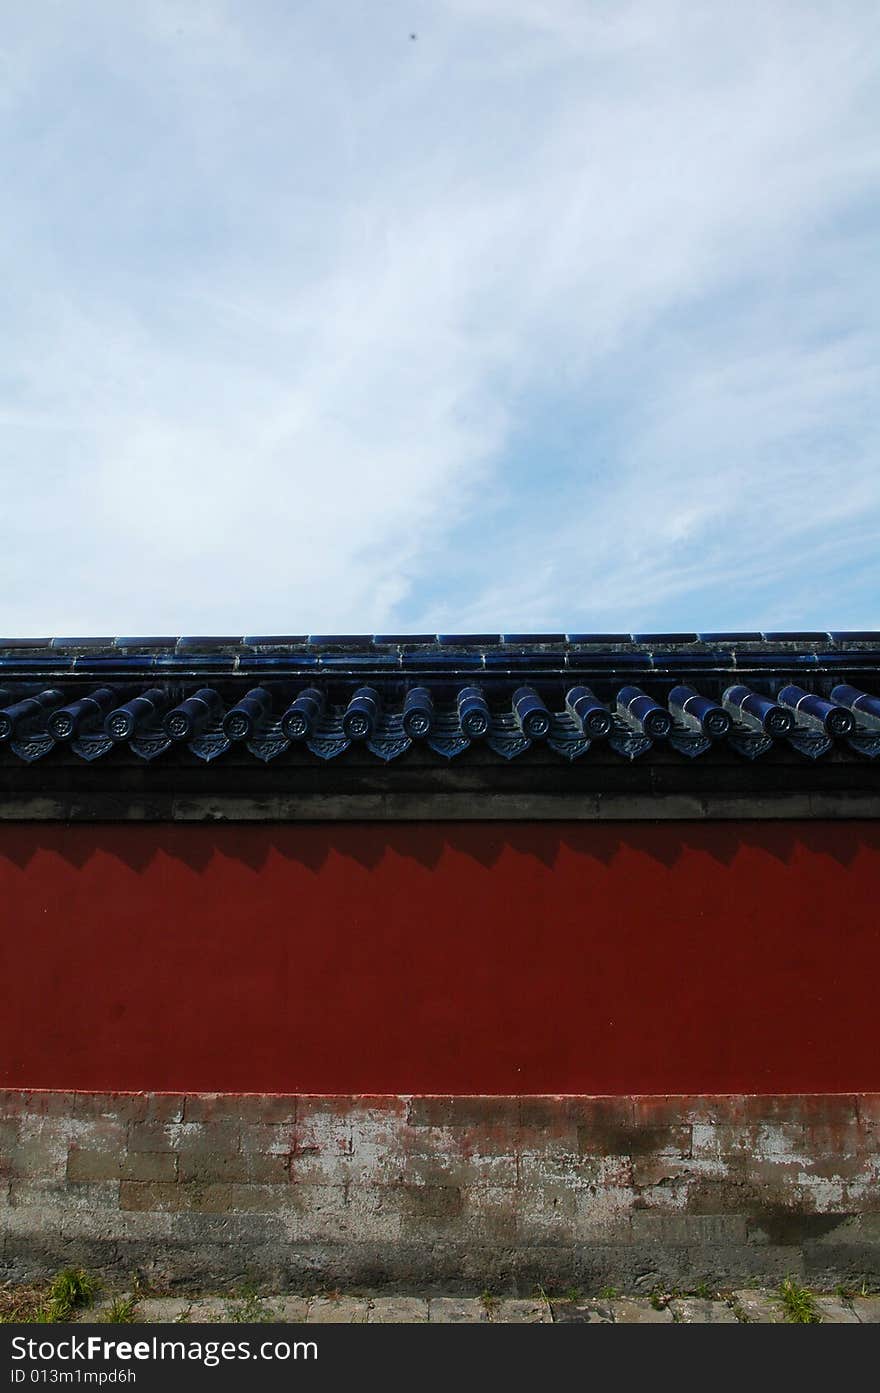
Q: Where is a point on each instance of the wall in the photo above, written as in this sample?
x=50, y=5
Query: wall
x=569, y=958
x=294, y=1192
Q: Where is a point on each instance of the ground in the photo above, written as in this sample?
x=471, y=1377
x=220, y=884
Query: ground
x=73, y=1295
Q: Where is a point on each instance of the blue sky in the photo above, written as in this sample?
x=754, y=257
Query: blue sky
x=563, y=315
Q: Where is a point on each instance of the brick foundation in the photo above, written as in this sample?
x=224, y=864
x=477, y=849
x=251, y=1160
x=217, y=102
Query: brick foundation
x=446, y=1191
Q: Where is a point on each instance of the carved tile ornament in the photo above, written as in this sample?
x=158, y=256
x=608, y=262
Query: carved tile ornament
x=393, y=698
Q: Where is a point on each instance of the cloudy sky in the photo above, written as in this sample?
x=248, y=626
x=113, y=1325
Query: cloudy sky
x=562, y=314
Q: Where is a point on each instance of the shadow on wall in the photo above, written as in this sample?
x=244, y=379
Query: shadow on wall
x=427, y=843
x=441, y=958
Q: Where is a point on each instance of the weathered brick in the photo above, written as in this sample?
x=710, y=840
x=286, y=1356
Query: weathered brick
x=800, y=1109
x=688, y=1228
x=758, y=1307
x=689, y=1310
x=867, y=1308
x=764, y=1141
x=150, y=1136
x=372, y=1214
x=826, y=1143
x=467, y=1111
x=127, y=1108
x=511, y=1311
x=242, y=1109
x=321, y=1214
x=47, y=1103
x=269, y=1139
x=546, y=1214
x=582, y=1312
x=489, y=1213
x=833, y=1311
x=475, y=1139
x=115, y=1225
x=40, y=1149
x=672, y=1171
x=146, y=1194
x=430, y=1201
x=388, y=1109
x=12, y=1102
x=607, y=1127
x=535, y=1170
x=316, y=1167
x=603, y=1215
x=446, y=1170
x=86, y=1165
x=684, y=1109
x=398, y=1310
x=633, y=1311
x=57, y=1195
x=239, y=1167
x=868, y=1109
x=199, y=1227
x=202, y=1199
x=343, y=1310
x=205, y=1139
x=455, y=1310
x=10, y=1132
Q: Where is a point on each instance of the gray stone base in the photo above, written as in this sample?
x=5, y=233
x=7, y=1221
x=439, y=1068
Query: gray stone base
x=441, y=1193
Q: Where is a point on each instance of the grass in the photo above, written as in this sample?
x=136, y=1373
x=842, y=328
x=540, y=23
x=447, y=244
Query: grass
x=705, y=1292
x=70, y=1290
x=121, y=1310
x=848, y=1292
x=490, y=1302
x=249, y=1309
x=798, y=1304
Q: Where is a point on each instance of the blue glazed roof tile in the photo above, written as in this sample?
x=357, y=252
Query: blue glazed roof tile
x=142, y=644
x=646, y=677
x=81, y=643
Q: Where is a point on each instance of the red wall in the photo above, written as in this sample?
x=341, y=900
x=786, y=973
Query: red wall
x=452, y=958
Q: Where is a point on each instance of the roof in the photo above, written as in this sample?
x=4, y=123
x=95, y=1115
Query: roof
x=277, y=698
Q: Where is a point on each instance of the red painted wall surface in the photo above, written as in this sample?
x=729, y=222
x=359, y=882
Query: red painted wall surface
x=458, y=958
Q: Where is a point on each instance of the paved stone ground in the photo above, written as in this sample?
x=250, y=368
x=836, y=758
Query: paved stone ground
x=746, y=1306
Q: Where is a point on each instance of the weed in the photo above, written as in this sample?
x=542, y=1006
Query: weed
x=798, y=1304
x=121, y=1310
x=705, y=1292
x=249, y=1309
x=609, y=1293
x=849, y=1293
x=70, y=1290
x=490, y=1302
x=21, y=1305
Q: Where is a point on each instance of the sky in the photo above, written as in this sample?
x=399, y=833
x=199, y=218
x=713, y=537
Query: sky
x=444, y=316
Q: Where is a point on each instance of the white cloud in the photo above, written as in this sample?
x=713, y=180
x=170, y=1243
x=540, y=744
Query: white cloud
x=292, y=302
